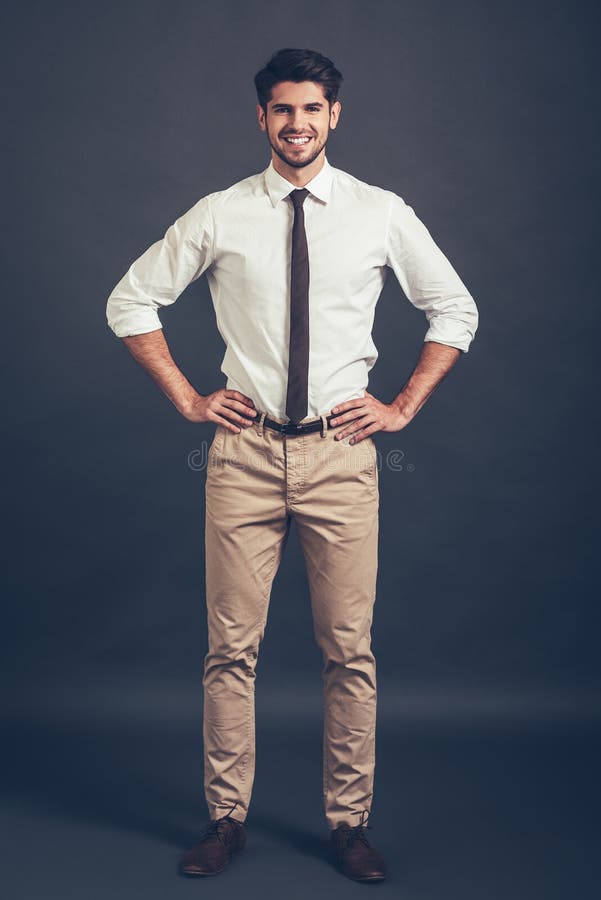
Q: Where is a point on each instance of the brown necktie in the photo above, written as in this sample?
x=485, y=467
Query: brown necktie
x=298, y=362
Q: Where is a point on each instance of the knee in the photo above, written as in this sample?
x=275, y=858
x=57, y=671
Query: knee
x=232, y=662
x=345, y=647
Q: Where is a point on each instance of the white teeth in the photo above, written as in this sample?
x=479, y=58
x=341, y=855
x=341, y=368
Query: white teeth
x=297, y=140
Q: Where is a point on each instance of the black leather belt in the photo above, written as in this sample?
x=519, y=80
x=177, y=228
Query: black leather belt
x=291, y=428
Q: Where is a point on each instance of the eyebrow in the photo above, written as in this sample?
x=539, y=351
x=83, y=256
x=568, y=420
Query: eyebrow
x=315, y=103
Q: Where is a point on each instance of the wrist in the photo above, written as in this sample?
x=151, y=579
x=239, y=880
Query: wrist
x=404, y=405
x=188, y=403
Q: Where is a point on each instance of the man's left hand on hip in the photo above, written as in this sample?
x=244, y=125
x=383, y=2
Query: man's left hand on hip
x=365, y=416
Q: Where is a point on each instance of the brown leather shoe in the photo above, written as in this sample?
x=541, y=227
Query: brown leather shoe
x=215, y=848
x=354, y=855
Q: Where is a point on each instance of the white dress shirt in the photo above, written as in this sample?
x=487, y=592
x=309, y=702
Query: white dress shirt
x=241, y=238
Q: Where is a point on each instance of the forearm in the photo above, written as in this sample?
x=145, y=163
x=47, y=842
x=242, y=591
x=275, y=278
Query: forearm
x=152, y=353
x=435, y=361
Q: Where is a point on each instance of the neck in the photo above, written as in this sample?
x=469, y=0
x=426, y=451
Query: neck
x=298, y=177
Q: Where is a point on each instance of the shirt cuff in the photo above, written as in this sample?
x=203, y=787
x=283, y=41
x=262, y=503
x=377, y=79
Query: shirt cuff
x=450, y=336
x=130, y=324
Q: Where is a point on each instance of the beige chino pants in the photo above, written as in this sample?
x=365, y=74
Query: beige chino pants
x=257, y=481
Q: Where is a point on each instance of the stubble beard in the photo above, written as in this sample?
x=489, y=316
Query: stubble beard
x=297, y=164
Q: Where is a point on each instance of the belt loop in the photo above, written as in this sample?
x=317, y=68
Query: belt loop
x=324, y=424
x=260, y=424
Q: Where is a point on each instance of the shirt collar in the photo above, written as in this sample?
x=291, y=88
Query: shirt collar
x=279, y=187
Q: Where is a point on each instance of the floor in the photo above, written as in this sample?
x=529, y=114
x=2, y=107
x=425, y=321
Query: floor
x=102, y=807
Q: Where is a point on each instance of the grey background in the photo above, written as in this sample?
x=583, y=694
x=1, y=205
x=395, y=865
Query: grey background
x=120, y=117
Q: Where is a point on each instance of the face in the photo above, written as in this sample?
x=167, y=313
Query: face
x=298, y=111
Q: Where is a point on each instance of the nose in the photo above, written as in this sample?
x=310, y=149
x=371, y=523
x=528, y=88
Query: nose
x=297, y=120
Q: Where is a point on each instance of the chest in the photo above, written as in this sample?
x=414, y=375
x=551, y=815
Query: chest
x=254, y=249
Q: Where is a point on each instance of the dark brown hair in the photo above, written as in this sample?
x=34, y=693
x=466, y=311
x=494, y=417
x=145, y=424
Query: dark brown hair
x=298, y=65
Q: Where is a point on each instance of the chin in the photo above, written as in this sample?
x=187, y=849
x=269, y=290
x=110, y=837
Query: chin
x=299, y=163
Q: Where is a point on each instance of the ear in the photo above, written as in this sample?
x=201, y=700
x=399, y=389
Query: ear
x=335, y=113
x=261, y=118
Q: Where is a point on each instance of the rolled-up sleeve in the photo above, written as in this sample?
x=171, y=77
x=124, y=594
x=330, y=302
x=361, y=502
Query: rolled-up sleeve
x=428, y=279
x=160, y=275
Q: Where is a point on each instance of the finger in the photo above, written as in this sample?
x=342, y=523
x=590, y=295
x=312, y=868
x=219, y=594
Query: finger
x=352, y=420
x=233, y=416
x=236, y=395
x=355, y=423
x=239, y=407
x=350, y=409
x=226, y=423
x=348, y=404
x=219, y=420
x=243, y=420
x=363, y=434
x=349, y=416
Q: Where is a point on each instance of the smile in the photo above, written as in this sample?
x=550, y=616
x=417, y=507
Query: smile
x=299, y=140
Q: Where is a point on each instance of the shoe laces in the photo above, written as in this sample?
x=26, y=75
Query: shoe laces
x=357, y=832
x=219, y=827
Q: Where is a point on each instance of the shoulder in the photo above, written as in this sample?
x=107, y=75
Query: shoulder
x=377, y=204
x=203, y=212
x=354, y=187
x=238, y=193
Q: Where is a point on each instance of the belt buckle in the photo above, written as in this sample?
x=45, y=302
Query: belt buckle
x=292, y=428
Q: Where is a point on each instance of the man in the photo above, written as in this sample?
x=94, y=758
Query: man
x=296, y=258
